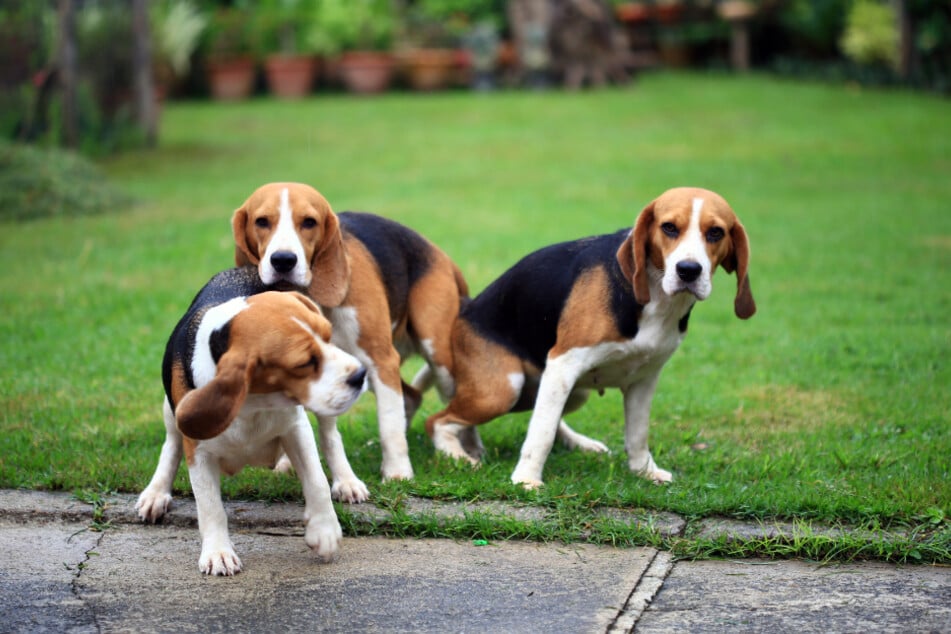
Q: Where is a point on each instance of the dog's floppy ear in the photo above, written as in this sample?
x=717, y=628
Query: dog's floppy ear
x=330, y=270
x=632, y=256
x=207, y=411
x=244, y=253
x=738, y=260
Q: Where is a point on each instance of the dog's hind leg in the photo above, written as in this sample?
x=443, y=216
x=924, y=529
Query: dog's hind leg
x=575, y=440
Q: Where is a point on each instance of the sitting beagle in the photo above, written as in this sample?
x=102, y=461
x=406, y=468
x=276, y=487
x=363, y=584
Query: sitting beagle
x=239, y=370
x=606, y=311
x=387, y=291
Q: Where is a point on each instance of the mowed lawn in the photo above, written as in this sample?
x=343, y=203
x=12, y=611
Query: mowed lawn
x=830, y=405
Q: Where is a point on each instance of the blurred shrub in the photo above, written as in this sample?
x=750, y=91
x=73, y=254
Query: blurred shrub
x=871, y=34
x=38, y=183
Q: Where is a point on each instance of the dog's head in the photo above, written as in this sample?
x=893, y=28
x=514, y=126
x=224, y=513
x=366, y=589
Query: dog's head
x=279, y=343
x=684, y=235
x=289, y=231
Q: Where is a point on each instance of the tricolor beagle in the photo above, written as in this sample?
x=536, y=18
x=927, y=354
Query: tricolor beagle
x=606, y=311
x=239, y=370
x=387, y=291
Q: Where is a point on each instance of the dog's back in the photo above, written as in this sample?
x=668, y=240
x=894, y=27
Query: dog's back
x=227, y=285
x=521, y=309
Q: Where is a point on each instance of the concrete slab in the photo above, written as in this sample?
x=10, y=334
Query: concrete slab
x=39, y=566
x=147, y=579
x=794, y=596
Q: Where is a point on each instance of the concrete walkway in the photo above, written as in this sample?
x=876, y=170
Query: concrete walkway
x=58, y=576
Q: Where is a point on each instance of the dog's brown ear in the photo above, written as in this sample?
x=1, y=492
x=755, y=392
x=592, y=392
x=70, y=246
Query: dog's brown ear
x=207, y=411
x=244, y=253
x=738, y=260
x=632, y=256
x=330, y=270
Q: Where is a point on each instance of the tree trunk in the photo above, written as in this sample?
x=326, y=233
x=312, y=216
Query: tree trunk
x=144, y=87
x=68, y=64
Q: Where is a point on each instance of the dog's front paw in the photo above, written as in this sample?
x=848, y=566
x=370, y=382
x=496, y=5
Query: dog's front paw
x=529, y=481
x=530, y=484
x=351, y=491
x=222, y=562
x=397, y=470
x=646, y=468
x=324, y=538
x=152, y=505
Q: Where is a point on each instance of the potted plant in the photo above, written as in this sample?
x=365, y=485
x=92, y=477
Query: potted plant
x=429, y=47
x=177, y=26
x=229, y=54
x=361, y=31
x=290, y=62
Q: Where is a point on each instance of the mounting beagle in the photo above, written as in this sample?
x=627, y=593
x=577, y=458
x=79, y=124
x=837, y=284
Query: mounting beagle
x=239, y=370
x=387, y=291
x=606, y=311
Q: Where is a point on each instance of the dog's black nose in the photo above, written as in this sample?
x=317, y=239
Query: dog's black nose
x=356, y=379
x=688, y=270
x=283, y=261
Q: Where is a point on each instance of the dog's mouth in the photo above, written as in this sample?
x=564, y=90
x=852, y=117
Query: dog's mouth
x=287, y=285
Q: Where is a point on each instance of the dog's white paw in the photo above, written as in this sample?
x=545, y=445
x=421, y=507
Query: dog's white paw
x=152, y=505
x=351, y=491
x=658, y=476
x=530, y=484
x=592, y=445
x=222, y=562
x=324, y=538
x=397, y=470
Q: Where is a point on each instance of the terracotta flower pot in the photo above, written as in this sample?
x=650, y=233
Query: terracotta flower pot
x=290, y=76
x=430, y=68
x=366, y=72
x=231, y=79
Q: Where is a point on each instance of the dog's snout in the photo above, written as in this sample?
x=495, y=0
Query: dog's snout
x=283, y=261
x=356, y=379
x=688, y=270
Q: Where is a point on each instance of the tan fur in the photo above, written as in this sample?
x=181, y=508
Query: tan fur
x=586, y=319
x=483, y=391
x=648, y=242
x=322, y=242
x=344, y=264
x=268, y=350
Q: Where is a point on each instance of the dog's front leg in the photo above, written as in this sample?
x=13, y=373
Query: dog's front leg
x=637, y=410
x=323, y=532
x=391, y=414
x=217, y=551
x=155, y=499
x=347, y=487
x=553, y=390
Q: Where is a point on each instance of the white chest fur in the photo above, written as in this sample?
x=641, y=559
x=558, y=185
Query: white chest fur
x=621, y=363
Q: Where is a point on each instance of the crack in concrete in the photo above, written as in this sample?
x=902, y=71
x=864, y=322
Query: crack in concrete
x=74, y=585
x=642, y=594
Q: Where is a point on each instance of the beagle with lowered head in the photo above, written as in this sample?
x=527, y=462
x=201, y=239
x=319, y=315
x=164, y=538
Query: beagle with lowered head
x=239, y=370
x=387, y=291
x=606, y=311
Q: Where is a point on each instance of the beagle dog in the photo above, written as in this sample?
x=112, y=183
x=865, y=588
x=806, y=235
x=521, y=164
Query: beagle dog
x=387, y=291
x=239, y=370
x=606, y=311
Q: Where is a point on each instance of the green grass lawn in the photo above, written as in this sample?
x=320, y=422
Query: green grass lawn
x=829, y=406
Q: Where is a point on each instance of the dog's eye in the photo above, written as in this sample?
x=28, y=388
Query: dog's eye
x=308, y=223
x=670, y=230
x=262, y=222
x=313, y=362
x=714, y=234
